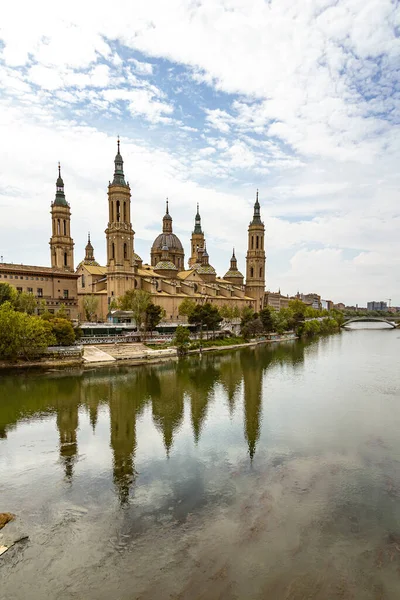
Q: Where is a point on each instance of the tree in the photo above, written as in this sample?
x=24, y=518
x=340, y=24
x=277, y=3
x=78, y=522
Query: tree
x=186, y=307
x=63, y=331
x=228, y=313
x=137, y=302
x=267, y=319
x=21, y=334
x=205, y=314
x=7, y=293
x=62, y=312
x=247, y=313
x=181, y=339
x=26, y=303
x=154, y=314
x=90, y=304
x=252, y=328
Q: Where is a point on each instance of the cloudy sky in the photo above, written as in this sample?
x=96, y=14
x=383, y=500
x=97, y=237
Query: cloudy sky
x=212, y=100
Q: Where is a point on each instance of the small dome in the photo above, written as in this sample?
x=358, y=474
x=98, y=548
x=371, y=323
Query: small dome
x=90, y=263
x=167, y=239
x=165, y=265
x=232, y=274
x=208, y=269
x=137, y=257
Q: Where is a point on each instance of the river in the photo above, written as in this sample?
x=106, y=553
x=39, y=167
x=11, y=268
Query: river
x=263, y=473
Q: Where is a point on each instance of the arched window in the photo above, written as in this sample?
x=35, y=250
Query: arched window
x=65, y=227
x=262, y=243
x=58, y=226
x=125, y=251
x=124, y=212
x=257, y=242
x=252, y=242
x=260, y=272
x=118, y=209
x=113, y=250
x=112, y=211
x=83, y=280
x=65, y=259
x=251, y=272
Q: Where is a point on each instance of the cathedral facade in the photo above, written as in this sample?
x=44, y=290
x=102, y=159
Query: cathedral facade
x=164, y=276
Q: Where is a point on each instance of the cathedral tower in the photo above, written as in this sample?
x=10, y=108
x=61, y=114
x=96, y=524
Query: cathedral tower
x=119, y=234
x=255, y=259
x=61, y=242
x=197, y=239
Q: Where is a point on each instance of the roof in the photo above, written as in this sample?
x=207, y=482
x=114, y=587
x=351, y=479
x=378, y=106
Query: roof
x=185, y=274
x=165, y=264
x=94, y=269
x=13, y=268
x=206, y=269
x=233, y=273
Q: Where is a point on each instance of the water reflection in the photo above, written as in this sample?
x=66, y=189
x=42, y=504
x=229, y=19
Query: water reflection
x=127, y=392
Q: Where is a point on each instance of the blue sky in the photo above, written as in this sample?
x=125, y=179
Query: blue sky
x=212, y=99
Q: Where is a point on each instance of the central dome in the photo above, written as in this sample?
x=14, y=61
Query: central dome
x=167, y=239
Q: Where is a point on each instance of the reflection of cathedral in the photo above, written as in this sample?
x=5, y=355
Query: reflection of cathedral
x=252, y=379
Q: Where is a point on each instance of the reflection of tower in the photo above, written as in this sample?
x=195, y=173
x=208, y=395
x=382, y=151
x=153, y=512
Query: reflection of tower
x=252, y=379
x=123, y=437
x=255, y=259
x=67, y=424
x=201, y=384
x=167, y=406
x=231, y=376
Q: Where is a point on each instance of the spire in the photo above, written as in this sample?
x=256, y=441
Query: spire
x=167, y=220
x=89, y=252
x=233, y=261
x=60, y=195
x=204, y=258
x=197, y=222
x=119, y=178
x=256, y=216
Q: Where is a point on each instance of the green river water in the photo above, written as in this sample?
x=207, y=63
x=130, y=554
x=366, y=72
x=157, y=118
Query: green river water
x=263, y=473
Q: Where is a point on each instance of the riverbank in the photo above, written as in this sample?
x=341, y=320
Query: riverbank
x=134, y=354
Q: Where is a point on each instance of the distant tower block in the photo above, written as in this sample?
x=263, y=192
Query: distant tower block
x=61, y=242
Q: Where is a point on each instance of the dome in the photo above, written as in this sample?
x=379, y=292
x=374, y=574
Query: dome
x=165, y=265
x=167, y=239
x=90, y=263
x=208, y=269
x=232, y=274
x=137, y=257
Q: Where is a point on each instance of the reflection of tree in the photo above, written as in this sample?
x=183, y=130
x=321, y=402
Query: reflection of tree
x=167, y=404
x=252, y=379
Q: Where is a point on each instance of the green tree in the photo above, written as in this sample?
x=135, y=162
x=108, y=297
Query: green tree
x=90, y=304
x=267, y=319
x=22, y=335
x=246, y=314
x=205, y=315
x=7, y=294
x=252, y=328
x=186, y=307
x=62, y=312
x=181, y=339
x=26, y=303
x=63, y=331
x=154, y=314
x=137, y=302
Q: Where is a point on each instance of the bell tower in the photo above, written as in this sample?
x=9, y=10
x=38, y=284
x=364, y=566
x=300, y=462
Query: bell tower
x=197, y=239
x=255, y=259
x=61, y=242
x=119, y=234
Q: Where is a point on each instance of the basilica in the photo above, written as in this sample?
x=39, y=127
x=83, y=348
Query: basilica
x=166, y=276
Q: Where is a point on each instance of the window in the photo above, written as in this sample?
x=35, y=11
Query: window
x=124, y=211
x=252, y=242
x=251, y=272
x=19, y=290
x=83, y=281
x=40, y=292
x=21, y=277
x=30, y=290
x=65, y=259
x=118, y=209
x=58, y=226
x=65, y=293
x=125, y=251
x=65, y=227
x=260, y=272
x=257, y=242
x=5, y=276
x=113, y=250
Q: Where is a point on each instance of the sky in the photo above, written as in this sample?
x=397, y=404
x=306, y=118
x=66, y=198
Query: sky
x=212, y=99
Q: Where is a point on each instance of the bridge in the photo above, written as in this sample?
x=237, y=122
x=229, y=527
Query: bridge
x=369, y=320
